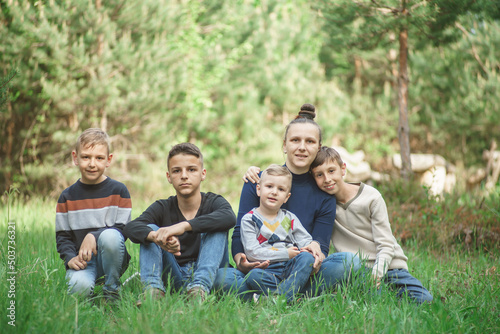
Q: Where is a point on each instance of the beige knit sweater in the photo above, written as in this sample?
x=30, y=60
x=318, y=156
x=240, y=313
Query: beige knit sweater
x=362, y=226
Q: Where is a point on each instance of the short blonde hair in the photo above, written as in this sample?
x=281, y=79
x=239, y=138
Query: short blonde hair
x=92, y=137
x=277, y=170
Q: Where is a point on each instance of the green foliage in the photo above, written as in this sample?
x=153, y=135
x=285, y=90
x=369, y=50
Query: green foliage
x=453, y=68
x=467, y=221
x=457, y=112
x=5, y=84
x=228, y=76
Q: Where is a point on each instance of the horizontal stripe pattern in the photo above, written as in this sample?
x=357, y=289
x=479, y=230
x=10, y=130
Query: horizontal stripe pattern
x=95, y=203
x=92, y=218
x=89, y=208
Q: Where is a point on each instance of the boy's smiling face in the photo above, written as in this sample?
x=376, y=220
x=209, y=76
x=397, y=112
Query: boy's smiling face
x=329, y=176
x=185, y=173
x=92, y=162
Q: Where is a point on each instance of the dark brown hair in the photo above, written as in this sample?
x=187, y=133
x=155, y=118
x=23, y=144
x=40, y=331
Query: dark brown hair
x=326, y=154
x=185, y=148
x=306, y=114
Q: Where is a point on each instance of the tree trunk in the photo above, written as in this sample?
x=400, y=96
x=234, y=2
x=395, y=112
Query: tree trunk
x=100, y=49
x=404, y=128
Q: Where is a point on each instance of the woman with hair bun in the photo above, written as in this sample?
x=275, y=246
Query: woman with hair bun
x=314, y=208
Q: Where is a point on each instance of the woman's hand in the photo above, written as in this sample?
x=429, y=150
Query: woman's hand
x=315, y=249
x=244, y=266
x=252, y=174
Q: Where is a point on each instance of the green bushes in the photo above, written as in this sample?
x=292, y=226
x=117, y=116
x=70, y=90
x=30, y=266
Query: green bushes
x=227, y=76
x=462, y=221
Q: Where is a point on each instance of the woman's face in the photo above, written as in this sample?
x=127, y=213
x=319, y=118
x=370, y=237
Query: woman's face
x=301, y=146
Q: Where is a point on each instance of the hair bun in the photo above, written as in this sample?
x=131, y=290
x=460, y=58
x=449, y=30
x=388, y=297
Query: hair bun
x=307, y=111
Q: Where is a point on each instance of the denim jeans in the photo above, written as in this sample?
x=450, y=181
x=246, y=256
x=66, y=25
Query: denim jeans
x=110, y=262
x=283, y=278
x=401, y=281
x=158, y=265
x=335, y=269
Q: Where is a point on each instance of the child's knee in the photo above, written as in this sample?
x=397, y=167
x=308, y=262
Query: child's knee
x=81, y=285
x=111, y=239
x=353, y=261
x=154, y=227
x=255, y=274
x=306, y=257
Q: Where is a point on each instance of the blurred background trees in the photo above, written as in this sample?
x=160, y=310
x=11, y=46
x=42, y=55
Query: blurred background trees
x=228, y=75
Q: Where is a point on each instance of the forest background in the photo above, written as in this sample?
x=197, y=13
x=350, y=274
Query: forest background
x=229, y=75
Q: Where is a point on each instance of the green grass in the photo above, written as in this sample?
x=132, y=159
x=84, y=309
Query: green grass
x=465, y=285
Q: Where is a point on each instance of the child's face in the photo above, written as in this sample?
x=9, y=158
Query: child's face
x=273, y=191
x=329, y=176
x=92, y=162
x=185, y=173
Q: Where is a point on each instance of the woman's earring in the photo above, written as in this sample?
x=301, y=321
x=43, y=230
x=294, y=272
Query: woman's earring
x=284, y=152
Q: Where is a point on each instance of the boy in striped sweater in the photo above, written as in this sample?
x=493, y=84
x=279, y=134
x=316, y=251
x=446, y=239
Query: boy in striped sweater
x=90, y=217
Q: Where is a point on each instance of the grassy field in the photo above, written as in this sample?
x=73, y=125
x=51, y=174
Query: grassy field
x=465, y=284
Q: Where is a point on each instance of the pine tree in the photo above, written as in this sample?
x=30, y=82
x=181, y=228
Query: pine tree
x=5, y=85
x=411, y=24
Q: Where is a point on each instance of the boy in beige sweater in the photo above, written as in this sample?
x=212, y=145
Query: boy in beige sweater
x=362, y=226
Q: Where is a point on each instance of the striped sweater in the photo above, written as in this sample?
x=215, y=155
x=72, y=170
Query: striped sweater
x=89, y=208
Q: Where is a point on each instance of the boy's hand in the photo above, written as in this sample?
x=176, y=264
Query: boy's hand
x=315, y=250
x=151, y=237
x=377, y=281
x=252, y=174
x=173, y=246
x=293, y=252
x=164, y=234
x=88, y=248
x=76, y=263
x=244, y=266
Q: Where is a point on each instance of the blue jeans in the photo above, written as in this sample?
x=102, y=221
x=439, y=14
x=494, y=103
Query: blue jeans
x=401, y=281
x=283, y=278
x=110, y=262
x=335, y=269
x=158, y=265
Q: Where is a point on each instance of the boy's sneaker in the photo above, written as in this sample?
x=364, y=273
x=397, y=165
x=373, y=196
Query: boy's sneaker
x=196, y=293
x=150, y=293
x=111, y=297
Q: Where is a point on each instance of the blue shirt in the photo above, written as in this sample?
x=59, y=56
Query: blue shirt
x=315, y=209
